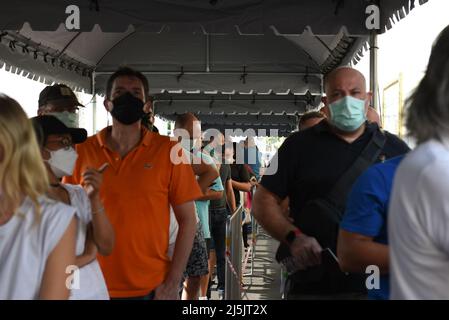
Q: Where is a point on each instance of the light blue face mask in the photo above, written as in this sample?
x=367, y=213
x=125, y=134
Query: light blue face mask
x=348, y=113
x=70, y=119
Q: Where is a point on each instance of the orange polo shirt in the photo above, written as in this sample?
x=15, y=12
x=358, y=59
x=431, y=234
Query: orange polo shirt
x=137, y=191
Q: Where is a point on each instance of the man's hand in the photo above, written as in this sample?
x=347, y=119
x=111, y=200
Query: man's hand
x=167, y=291
x=92, y=179
x=306, y=251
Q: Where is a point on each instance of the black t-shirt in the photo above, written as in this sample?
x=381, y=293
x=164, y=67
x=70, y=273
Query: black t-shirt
x=225, y=176
x=311, y=161
x=240, y=174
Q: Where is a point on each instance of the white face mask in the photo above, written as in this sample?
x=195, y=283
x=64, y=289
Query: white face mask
x=70, y=119
x=62, y=162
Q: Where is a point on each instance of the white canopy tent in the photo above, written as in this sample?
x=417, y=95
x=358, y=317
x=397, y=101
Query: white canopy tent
x=259, y=63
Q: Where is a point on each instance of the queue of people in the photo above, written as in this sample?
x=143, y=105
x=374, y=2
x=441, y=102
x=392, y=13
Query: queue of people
x=131, y=214
x=126, y=213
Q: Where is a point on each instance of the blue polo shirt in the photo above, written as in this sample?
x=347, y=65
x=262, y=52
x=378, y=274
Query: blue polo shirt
x=366, y=211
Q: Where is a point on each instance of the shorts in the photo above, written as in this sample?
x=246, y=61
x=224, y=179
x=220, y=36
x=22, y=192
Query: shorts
x=208, y=246
x=197, y=264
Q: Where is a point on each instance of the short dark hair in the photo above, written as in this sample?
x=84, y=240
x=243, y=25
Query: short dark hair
x=183, y=119
x=127, y=72
x=310, y=115
x=39, y=132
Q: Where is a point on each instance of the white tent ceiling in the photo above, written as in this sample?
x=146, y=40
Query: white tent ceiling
x=219, y=56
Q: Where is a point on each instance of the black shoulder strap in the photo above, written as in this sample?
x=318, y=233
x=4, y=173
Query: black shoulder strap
x=339, y=192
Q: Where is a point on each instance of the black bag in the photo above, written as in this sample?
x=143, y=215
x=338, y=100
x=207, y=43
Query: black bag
x=320, y=218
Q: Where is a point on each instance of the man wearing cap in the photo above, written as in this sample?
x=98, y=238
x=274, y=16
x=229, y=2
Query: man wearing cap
x=60, y=101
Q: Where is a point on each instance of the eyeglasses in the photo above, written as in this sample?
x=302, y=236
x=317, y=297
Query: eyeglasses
x=65, y=143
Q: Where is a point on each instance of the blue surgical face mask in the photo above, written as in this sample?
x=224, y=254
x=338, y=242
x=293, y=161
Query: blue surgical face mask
x=348, y=114
x=70, y=119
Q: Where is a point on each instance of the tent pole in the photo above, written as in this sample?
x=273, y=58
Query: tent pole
x=94, y=104
x=207, y=53
x=374, y=70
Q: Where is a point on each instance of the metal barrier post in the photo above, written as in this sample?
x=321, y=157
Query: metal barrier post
x=255, y=233
x=233, y=273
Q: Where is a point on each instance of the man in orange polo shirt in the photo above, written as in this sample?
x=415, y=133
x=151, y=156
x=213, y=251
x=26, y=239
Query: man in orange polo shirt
x=138, y=188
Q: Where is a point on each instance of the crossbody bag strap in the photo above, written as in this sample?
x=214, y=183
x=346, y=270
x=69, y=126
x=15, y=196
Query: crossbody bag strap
x=339, y=192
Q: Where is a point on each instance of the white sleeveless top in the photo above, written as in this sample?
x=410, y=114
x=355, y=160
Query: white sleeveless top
x=26, y=243
x=92, y=285
x=173, y=232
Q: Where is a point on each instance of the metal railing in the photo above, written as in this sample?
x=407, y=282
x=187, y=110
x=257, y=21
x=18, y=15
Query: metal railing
x=235, y=266
x=255, y=234
x=233, y=273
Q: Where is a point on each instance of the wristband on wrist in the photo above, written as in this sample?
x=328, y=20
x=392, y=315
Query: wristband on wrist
x=292, y=235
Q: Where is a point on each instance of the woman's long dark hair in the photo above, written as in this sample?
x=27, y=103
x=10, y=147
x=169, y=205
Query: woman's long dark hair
x=428, y=107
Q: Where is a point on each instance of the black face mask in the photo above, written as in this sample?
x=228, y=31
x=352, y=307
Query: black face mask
x=127, y=109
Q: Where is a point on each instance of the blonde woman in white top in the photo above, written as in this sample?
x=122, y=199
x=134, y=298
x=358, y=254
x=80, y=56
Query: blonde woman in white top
x=37, y=235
